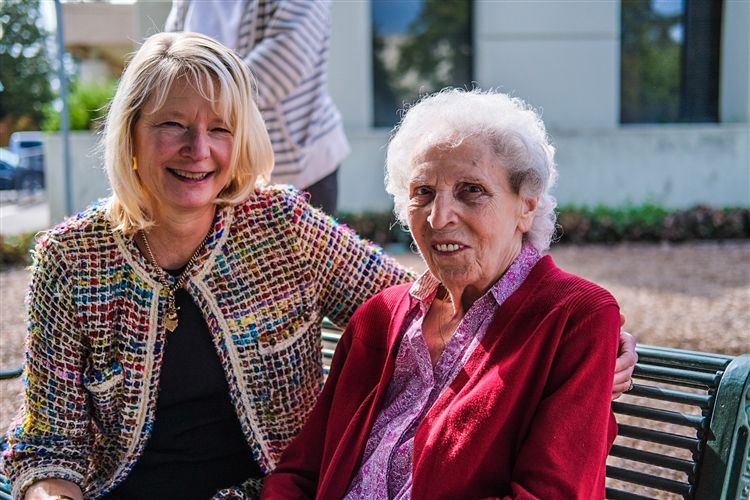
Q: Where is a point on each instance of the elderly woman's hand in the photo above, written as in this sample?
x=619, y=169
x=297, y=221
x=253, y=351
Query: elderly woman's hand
x=626, y=360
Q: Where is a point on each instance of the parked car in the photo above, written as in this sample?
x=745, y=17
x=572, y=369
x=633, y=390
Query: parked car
x=9, y=162
x=30, y=150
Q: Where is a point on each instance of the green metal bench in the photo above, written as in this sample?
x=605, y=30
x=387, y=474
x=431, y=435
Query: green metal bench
x=683, y=429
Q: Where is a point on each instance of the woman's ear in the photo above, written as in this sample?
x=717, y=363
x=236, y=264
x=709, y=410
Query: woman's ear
x=528, y=212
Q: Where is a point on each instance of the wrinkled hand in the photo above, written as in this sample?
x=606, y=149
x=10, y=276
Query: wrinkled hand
x=626, y=360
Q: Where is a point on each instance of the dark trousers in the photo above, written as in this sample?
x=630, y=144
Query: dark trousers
x=324, y=193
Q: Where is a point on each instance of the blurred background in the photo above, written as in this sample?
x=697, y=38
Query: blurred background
x=647, y=101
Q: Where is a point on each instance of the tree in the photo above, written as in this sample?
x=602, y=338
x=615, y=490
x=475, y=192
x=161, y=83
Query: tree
x=439, y=50
x=25, y=68
x=650, y=64
x=434, y=52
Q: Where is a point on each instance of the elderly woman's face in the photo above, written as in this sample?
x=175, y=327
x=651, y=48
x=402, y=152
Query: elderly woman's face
x=463, y=215
x=184, y=151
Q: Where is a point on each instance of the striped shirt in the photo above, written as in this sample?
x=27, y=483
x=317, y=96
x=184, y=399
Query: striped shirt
x=286, y=44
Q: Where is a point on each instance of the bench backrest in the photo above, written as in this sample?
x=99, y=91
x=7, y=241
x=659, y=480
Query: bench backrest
x=683, y=429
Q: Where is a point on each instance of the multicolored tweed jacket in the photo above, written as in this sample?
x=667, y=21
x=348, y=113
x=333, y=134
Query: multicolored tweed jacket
x=271, y=269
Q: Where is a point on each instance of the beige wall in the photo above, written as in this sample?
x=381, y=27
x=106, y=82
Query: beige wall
x=560, y=56
x=100, y=31
x=564, y=57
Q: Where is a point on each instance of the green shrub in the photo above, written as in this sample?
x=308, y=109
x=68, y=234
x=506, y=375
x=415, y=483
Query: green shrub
x=647, y=222
x=651, y=223
x=87, y=105
x=16, y=250
x=379, y=227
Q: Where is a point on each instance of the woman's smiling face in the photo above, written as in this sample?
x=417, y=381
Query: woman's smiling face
x=184, y=151
x=465, y=219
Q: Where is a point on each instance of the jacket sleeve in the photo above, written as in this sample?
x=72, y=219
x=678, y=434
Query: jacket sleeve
x=51, y=437
x=565, y=451
x=176, y=18
x=298, y=473
x=292, y=41
x=347, y=269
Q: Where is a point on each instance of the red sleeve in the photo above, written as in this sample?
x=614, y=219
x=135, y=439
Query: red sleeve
x=322, y=458
x=573, y=427
x=298, y=472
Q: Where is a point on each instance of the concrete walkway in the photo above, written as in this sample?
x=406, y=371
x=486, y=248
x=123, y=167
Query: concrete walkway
x=30, y=215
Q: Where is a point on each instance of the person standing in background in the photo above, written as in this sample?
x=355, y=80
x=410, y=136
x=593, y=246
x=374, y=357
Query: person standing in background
x=285, y=44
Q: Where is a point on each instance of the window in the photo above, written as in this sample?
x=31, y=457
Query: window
x=670, y=61
x=419, y=47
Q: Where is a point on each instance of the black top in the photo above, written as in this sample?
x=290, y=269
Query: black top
x=197, y=446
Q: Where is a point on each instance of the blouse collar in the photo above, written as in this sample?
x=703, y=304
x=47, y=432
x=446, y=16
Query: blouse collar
x=426, y=286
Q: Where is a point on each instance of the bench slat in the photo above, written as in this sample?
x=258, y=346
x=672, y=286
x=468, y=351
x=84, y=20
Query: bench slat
x=331, y=337
x=651, y=458
x=660, y=437
x=10, y=374
x=613, y=494
x=702, y=401
x=678, y=376
x=666, y=356
x=670, y=417
x=656, y=482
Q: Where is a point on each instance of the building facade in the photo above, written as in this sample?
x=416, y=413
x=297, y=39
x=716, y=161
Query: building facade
x=564, y=58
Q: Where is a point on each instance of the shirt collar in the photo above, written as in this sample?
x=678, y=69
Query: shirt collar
x=425, y=288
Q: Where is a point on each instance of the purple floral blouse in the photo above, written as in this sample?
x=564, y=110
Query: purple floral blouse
x=416, y=385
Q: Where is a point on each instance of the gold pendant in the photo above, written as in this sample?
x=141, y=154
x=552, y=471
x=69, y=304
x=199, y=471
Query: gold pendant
x=170, y=320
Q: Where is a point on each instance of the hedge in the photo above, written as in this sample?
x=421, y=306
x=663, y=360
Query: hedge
x=651, y=223
x=575, y=225
x=16, y=250
x=601, y=224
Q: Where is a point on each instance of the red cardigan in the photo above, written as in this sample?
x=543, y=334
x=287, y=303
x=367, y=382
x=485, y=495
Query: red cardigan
x=529, y=416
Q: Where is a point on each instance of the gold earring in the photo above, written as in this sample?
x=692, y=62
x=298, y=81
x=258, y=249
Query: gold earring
x=135, y=163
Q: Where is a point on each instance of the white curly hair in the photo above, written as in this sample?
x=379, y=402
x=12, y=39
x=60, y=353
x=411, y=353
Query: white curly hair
x=512, y=128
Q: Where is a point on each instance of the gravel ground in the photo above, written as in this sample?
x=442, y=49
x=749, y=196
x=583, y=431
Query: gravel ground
x=691, y=296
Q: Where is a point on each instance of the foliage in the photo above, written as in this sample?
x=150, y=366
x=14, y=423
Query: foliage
x=87, y=105
x=436, y=52
x=379, y=227
x=15, y=250
x=600, y=224
x=651, y=64
x=651, y=223
x=25, y=67
x=439, y=49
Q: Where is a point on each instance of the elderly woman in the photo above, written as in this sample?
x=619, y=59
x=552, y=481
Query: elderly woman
x=490, y=377
x=174, y=329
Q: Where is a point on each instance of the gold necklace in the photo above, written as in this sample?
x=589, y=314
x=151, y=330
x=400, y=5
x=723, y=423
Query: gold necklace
x=171, y=319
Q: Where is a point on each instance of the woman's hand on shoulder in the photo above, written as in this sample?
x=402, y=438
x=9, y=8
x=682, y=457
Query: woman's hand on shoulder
x=53, y=489
x=626, y=360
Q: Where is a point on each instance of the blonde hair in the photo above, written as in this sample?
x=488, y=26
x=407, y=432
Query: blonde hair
x=215, y=71
x=512, y=129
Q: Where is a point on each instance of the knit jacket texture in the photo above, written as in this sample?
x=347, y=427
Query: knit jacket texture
x=528, y=417
x=271, y=269
x=286, y=45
